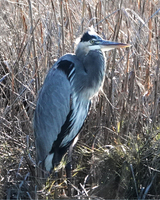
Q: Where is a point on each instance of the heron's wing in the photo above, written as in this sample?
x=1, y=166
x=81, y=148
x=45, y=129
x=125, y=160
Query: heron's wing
x=52, y=108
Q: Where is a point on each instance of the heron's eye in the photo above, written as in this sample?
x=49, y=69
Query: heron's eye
x=92, y=41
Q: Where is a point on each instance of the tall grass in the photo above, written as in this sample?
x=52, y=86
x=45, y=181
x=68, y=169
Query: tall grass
x=118, y=153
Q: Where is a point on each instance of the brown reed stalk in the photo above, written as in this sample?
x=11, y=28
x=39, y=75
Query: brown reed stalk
x=83, y=14
x=70, y=24
x=147, y=77
x=62, y=26
x=55, y=16
x=34, y=48
x=90, y=15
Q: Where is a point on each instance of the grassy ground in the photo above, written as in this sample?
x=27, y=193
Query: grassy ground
x=118, y=153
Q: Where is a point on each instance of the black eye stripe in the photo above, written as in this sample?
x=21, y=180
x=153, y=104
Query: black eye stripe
x=87, y=37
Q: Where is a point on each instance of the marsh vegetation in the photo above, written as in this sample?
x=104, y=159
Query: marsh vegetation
x=118, y=152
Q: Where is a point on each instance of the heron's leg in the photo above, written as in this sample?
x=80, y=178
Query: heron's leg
x=69, y=176
x=69, y=165
x=69, y=169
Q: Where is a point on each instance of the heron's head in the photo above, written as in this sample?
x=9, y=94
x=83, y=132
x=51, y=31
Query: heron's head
x=92, y=41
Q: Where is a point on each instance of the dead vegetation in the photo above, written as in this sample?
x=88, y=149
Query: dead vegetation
x=118, y=154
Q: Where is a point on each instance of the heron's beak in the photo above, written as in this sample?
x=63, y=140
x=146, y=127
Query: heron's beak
x=108, y=45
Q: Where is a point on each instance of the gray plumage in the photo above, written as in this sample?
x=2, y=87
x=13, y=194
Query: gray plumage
x=64, y=99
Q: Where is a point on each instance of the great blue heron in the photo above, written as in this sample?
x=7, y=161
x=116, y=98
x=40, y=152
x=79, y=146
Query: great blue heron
x=65, y=97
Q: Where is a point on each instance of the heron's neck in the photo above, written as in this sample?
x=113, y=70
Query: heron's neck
x=94, y=67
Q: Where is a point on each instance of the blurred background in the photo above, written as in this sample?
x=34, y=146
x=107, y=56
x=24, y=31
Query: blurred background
x=118, y=153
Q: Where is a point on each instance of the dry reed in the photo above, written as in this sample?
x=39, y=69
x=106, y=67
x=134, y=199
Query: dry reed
x=121, y=155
